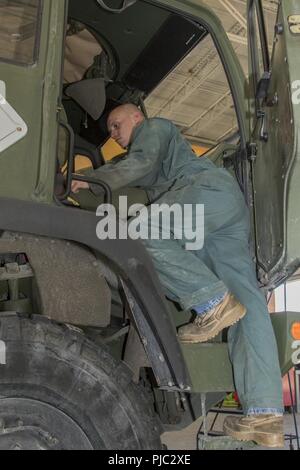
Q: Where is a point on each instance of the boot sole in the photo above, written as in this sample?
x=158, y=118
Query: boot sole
x=226, y=323
x=274, y=441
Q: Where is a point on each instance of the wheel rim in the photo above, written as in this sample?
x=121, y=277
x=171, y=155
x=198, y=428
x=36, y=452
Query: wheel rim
x=27, y=424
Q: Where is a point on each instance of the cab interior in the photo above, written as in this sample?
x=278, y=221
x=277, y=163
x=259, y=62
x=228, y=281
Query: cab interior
x=111, y=59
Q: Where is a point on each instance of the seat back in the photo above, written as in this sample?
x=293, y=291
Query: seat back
x=90, y=94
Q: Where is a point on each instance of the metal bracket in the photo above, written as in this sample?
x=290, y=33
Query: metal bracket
x=263, y=135
x=251, y=151
x=12, y=271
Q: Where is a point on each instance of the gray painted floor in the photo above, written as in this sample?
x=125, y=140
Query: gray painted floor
x=187, y=438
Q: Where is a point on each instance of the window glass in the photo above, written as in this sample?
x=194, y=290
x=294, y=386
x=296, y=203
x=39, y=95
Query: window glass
x=19, y=20
x=197, y=98
x=259, y=60
x=233, y=15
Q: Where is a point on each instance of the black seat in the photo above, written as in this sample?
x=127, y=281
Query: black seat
x=83, y=147
x=90, y=94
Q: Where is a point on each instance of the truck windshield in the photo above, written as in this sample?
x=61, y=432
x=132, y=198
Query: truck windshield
x=19, y=21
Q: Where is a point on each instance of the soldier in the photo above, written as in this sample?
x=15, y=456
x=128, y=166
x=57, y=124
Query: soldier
x=217, y=282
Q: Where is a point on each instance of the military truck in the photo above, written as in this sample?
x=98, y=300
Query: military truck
x=89, y=355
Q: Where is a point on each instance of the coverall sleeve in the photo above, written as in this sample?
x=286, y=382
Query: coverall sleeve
x=142, y=164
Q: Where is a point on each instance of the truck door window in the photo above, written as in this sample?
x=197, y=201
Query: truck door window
x=196, y=96
x=258, y=44
x=19, y=32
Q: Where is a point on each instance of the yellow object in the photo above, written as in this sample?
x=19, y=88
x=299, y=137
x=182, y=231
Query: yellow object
x=295, y=331
x=111, y=149
x=199, y=150
x=230, y=402
x=80, y=163
x=72, y=201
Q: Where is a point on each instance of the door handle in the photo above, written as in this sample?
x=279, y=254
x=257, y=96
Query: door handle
x=263, y=134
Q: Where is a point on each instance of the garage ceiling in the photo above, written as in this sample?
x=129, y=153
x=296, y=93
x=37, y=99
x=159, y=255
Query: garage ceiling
x=196, y=95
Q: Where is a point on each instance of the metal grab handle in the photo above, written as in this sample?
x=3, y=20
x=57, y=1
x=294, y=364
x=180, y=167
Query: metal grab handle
x=102, y=184
x=70, y=171
x=263, y=134
x=70, y=161
x=126, y=4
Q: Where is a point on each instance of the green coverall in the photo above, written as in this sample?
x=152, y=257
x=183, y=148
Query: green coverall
x=161, y=162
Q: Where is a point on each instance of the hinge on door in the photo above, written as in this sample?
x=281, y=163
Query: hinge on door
x=251, y=151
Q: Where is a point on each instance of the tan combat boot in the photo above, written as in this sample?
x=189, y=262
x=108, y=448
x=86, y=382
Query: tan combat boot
x=207, y=326
x=265, y=430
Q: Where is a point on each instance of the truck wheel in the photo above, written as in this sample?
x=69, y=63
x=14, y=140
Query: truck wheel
x=58, y=390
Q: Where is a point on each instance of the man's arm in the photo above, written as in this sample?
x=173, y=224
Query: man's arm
x=77, y=185
x=141, y=165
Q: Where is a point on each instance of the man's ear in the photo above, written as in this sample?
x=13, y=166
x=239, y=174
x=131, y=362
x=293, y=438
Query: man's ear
x=137, y=118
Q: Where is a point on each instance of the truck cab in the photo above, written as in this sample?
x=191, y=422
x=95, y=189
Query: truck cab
x=87, y=338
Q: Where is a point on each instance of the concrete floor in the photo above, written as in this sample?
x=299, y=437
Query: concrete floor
x=187, y=438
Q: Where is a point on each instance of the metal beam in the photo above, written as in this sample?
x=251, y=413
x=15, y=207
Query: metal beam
x=238, y=39
x=227, y=133
x=210, y=109
x=234, y=12
x=200, y=72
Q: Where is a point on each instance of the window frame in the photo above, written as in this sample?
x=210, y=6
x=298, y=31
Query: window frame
x=255, y=12
x=37, y=42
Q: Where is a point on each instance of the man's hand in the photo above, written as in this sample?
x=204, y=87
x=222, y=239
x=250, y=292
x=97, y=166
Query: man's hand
x=77, y=185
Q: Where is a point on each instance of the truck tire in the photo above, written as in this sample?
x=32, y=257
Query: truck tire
x=58, y=390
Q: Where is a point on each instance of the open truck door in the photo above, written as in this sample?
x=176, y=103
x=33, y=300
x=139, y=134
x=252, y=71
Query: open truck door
x=274, y=158
x=274, y=149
